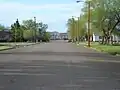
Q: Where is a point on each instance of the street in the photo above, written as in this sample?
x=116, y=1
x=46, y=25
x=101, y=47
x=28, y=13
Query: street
x=58, y=65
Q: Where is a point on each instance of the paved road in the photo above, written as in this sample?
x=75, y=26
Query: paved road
x=58, y=66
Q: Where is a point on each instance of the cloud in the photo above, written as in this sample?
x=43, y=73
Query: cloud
x=48, y=13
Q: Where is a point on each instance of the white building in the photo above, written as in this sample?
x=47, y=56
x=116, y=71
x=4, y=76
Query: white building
x=63, y=36
x=57, y=36
x=97, y=37
x=54, y=35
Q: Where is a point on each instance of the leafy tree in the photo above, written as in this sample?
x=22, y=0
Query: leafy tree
x=71, y=28
x=47, y=36
x=2, y=27
x=105, y=17
x=76, y=28
x=35, y=29
x=17, y=31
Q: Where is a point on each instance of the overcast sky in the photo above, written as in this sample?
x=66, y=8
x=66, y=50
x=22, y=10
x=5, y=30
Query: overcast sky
x=53, y=12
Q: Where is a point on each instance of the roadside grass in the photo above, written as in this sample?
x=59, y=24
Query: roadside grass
x=111, y=49
x=7, y=46
x=4, y=47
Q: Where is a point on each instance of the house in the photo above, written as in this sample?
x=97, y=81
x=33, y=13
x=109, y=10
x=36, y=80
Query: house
x=5, y=36
x=116, y=38
x=57, y=36
x=63, y=36
x=54, y=35
x=97, y=37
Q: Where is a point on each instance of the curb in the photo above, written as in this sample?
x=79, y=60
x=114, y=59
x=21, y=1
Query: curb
x=117, y=54
x=93, y=48
x=96, y=49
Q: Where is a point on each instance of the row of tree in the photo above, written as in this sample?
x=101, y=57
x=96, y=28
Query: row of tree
x=105, y=20
x=28, y=30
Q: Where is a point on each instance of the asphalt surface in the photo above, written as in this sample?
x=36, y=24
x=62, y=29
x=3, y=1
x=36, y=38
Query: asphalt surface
x=58, y=66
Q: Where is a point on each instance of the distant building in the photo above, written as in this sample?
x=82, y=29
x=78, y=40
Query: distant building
x=5, y=35
x=97, y=37
x=54, y=35
x=57, y=36
x=63, y=36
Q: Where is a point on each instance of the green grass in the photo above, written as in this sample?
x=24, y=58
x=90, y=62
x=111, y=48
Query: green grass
x=107, y=48
x=4, y=47
x=111, y=49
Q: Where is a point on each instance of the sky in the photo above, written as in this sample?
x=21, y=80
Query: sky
x=55, y=13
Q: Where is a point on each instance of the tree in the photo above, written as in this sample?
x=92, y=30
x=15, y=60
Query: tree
x=47, y=36
x=42, y=28
x=35, y=29
x=2, y=27
x=17, y=31
x=76, y=28
x=105, y=17
x=71, y=28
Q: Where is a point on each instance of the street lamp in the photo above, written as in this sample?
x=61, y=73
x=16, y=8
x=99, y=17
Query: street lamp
x=89, y=2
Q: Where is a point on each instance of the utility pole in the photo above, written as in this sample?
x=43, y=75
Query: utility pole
x=89, y=2
x=73, y=29
x=78, y=31
x=15, y=35
x=35, y=29
x=89, y=24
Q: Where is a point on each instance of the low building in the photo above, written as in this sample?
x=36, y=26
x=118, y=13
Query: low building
x=63, y=36
x=54, y=35
x=97, y=37
x=5, y=36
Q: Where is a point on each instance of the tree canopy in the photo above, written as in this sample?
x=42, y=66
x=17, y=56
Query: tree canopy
x=29, y=29
x=105, y=19
x=2, y=27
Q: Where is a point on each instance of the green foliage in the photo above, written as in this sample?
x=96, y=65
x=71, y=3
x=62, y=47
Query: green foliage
x=105, y=17
x=76, y=28
x=27, y=34
x=2, y=27
x=47, y=36
x=28, y=30
x=17, y=31
x=113, y=50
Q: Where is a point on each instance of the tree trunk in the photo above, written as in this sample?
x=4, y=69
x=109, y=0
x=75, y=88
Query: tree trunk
x=111, y=39
x=103, y=39
x=108, y=39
